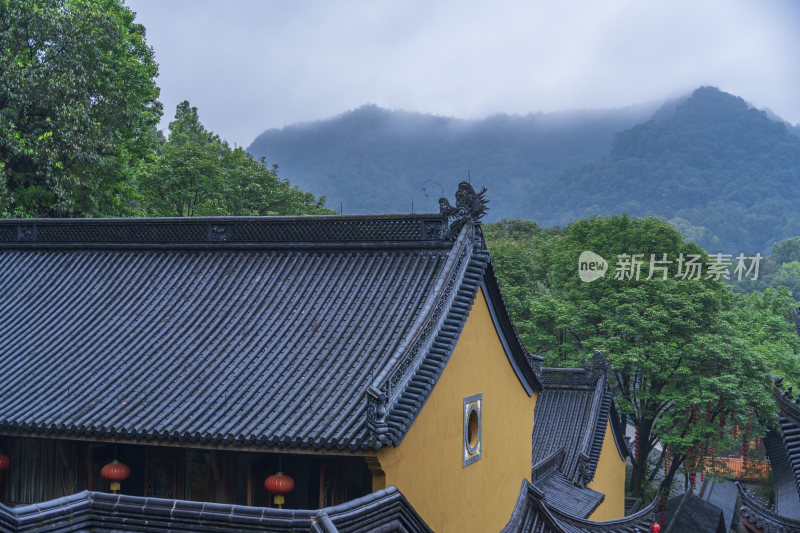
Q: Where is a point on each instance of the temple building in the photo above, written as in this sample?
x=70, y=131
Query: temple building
x=350, y=353
x=579, y=452
x=314, y=374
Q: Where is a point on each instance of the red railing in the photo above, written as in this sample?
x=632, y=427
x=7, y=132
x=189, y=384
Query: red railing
x=738, y=469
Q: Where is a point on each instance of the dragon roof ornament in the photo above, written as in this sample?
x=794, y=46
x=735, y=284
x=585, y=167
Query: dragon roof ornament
x=470, y=207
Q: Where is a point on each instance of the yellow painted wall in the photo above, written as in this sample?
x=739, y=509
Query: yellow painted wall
x=427, y=465
x=609, y=478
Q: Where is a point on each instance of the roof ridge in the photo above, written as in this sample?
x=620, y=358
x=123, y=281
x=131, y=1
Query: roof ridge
x=404, y=384
x=760, y=515
x=327, y=230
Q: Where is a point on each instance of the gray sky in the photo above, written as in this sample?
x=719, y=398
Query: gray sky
x=251, y=65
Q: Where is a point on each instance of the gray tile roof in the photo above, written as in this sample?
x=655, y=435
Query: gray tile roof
x=691, y=513
x=560, y=493
x=532, y=514
x=571, y=414
x=723, y=494
x=312, y=332
x=386, y=510
x=757, y=512
x=786, y=500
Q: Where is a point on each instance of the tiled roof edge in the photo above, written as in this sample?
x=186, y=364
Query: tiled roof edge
x=788, y=406
x=601, y=406
x=550, y=463
x=376, y=511
x=118, y=512
x=641, y=520
x=420, y=230
x=531, y=499
x=576, y=378
x=532, y=514
x=761, y=516
x=789, y=414
x=402, y=387
x=87, y=510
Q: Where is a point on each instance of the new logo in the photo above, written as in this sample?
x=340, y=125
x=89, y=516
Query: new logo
x=591, y=266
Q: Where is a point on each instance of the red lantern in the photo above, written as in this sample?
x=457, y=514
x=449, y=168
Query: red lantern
x=115, y=472
x=656, y=528
x=279, y=485
x=5, y=462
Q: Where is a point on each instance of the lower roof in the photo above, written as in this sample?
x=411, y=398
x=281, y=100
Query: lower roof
x=386, y=510
x=533, y=514
x=562, y=494
x=572, y=414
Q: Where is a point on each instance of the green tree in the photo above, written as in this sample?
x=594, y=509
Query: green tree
x=78, y=107
x=788, y=275
x=683, y=353
x=196, y=173
x=786, y=251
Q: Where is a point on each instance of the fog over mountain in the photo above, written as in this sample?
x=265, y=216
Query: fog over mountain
x=373, y=160
x=723, y=172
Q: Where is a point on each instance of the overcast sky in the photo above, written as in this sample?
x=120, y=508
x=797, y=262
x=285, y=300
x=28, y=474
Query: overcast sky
x=249, y=65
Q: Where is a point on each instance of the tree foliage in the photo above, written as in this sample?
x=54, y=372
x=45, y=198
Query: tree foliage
x=78, y=107
x=685, y=354
x=196, y=173
x=779, y=269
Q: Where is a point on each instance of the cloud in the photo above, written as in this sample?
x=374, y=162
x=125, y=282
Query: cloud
x=252, y=65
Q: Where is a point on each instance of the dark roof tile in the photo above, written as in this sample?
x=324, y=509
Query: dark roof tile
x=533, y=514
x=183, y=329
x=385, y=510
x=562, y=494
x=572, y=414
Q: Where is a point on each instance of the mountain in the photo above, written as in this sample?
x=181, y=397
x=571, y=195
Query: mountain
x=372, y=160
x=724, y=173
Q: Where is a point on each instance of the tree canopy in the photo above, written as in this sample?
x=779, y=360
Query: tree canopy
x=686, y=355
x=196, y=173
x=78, y=117
x=78, y=107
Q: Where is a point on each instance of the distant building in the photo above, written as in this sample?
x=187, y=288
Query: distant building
x=578, y=452
x=783, y=449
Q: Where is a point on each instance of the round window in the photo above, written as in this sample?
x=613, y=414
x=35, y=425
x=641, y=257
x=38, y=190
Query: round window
x=473, y=430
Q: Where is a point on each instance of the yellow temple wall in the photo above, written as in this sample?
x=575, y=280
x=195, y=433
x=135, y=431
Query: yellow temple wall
x=427, y=465
x=609, y=478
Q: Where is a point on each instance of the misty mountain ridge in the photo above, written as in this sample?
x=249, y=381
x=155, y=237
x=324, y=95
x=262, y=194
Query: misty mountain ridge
x=720, y=170
x=373, y=160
